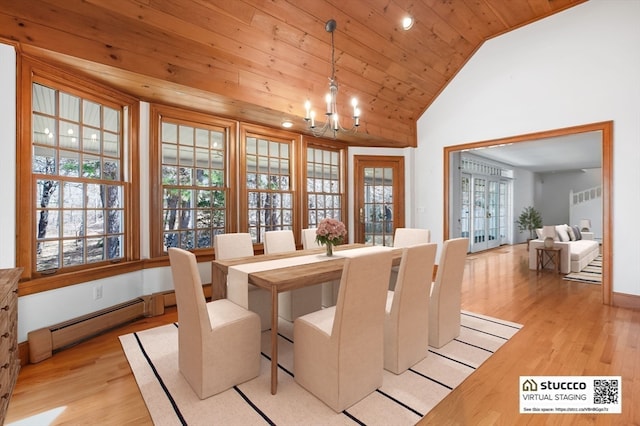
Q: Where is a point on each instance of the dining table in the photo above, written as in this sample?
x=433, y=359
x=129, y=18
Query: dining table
x=276, y=275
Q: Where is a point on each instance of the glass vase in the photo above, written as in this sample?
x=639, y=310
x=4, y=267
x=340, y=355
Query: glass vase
x=329, y=249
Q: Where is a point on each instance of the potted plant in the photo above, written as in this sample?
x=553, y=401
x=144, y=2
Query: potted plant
x=529, y=220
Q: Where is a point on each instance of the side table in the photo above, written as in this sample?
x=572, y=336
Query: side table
x=546, y=256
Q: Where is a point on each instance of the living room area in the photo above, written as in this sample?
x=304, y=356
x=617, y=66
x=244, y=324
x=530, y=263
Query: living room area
x=559, y=177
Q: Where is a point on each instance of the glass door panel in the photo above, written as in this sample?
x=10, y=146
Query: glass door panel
x=479, y=213
x=489, y=211
x=465, y=203
x=379, y=198
x=492, y=215
x=503, y=212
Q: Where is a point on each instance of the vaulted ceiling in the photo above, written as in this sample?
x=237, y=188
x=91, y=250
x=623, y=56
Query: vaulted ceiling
x=259, y=60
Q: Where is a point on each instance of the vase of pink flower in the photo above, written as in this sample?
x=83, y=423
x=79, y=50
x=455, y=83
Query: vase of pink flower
x=330, y=232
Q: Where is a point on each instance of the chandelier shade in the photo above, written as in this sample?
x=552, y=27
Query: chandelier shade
x=331, y=125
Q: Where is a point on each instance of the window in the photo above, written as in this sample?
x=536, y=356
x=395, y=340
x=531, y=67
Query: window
x=324, y=188
x=74, y=209
x=194, y=179
x=77, y=170
x=268, y=179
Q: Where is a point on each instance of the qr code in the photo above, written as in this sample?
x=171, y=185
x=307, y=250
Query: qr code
x=605, y=391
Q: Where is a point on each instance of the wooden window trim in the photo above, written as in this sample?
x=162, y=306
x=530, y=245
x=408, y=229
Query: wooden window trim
x=31, y=70
x=276, y=135
x=324, y=144
x=395, y=162
x=155, y=197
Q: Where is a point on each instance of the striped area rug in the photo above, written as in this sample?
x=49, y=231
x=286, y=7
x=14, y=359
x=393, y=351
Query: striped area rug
x=402, y=400
x=592, y=273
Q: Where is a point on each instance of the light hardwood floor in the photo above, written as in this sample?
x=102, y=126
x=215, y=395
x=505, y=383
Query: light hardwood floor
x=567, y=331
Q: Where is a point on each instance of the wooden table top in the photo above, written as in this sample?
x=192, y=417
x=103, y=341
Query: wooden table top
x=298, y=276
x=224, y=264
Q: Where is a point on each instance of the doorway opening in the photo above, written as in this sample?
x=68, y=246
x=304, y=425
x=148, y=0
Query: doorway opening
x=605, y=129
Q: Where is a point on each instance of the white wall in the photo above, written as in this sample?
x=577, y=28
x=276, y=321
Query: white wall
x=523, y=196
x=576, y=67
x=555, y=198
x=7, y=154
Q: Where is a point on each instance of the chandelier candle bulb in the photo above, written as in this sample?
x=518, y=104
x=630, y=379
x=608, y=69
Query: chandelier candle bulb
x=307, y=107
x=313, y=119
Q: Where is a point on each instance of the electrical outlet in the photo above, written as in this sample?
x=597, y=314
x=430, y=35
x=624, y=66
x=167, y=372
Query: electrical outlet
x=97, y=292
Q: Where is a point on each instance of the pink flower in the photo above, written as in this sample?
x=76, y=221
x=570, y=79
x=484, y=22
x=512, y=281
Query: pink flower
x=330, y=231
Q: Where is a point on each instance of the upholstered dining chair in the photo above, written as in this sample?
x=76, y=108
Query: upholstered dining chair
x=292, y=304
x=330, y=288
x=338, y=352
x=404, y=237
x=309, y=239
x=406, y=326
x=231, y=246
x=219, y=341
x=445, y=304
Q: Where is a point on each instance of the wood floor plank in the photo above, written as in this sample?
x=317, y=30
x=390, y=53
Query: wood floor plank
x=567, y=331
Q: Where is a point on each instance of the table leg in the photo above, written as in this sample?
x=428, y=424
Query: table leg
x=274, y=340
x=539, y=265
x=218, y=284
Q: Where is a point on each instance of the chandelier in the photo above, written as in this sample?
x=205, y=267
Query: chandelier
x=331, y=123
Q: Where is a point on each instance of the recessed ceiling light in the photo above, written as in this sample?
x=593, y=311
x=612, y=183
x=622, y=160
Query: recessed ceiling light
x=407, y=22
x=287, y=124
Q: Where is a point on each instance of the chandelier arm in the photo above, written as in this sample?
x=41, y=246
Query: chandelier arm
x=332, y=121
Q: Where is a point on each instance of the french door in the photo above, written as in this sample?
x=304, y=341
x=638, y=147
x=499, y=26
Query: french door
x=484, y=211
x=379, y=198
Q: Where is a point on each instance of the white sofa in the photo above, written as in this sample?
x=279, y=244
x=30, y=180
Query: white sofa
x=574, y=256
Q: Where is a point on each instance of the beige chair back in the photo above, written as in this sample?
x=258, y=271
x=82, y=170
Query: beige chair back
x=192, y=309
x=207, y=365
x=407, y=319
x=279, y=241
x=445, y=305
x=404, y=237
x=360, y=304
x=309, y=239
x=339, y=351
x=230, y=246
x=234, y=245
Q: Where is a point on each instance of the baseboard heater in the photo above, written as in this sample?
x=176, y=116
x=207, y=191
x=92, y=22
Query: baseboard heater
x=45, y=341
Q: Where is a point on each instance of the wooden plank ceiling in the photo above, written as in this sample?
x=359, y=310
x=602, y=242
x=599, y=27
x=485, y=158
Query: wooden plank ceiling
x=259, y=60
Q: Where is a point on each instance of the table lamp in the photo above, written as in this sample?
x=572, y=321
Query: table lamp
x=549, y=233
x=585, y=225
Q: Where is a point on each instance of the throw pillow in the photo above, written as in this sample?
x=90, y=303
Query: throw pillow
x=539, y=233
x=572, y=235
x=561, y=230
x=576, y=231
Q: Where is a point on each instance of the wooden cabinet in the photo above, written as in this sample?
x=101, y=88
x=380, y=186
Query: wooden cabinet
x=9, y=362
